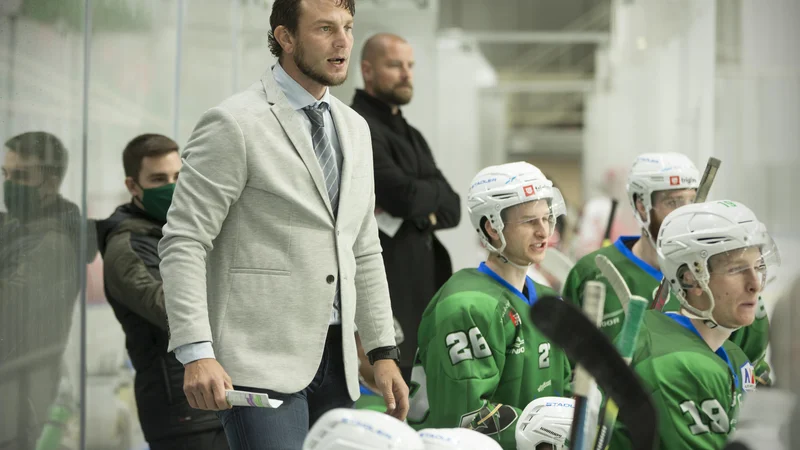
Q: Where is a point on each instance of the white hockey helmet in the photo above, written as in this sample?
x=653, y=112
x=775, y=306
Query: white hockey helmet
x=692, y=234
x=653, y=172
x=456, y=439
x=546, y=420
x=496, y=188
x=354, y=429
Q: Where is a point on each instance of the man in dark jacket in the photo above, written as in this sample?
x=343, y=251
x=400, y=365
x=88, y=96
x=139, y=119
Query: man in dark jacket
x=129, y=245
x=40, y=268
x=410, y=191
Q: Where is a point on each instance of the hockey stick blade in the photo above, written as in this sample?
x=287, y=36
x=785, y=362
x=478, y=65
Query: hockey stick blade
x=585, y=344
x=709, y=174
x=614, y=278
x=557, y=264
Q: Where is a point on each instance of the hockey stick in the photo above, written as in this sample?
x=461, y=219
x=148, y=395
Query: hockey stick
x=585, y=344
x=635, y=307
x=662, y=294
x=557, y=264
x=611, y=215
x=582, y=426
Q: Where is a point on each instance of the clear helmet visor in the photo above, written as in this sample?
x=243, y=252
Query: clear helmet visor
x=760, y=261
x=544, y=210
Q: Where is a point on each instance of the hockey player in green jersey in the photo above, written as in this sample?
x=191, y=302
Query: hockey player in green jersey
x=658, y=183
x=716, y=257
x=480, y=361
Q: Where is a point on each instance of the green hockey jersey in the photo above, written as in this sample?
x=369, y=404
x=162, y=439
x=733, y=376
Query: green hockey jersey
x=697, y=392
x=643, y=280
x=480, y=360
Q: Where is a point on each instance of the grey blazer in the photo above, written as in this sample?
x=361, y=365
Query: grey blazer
x=251, y=249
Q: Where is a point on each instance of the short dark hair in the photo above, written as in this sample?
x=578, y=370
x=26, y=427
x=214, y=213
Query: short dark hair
x=287, y=13
x=47, y=148
x=143, y=146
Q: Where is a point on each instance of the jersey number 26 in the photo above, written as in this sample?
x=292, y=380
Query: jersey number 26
x=463, y=349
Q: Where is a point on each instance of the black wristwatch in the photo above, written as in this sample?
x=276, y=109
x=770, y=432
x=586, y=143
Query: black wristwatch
x=384, y=353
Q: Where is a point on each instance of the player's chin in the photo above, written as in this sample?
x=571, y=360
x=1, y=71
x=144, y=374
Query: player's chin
x=536, y=257
x=745, y=315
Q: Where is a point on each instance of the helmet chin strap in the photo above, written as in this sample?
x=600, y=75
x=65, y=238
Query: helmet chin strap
x=693, y=313
x=503, y=257
x=646, y=233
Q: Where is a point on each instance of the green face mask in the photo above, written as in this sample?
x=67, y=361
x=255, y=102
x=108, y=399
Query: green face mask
x=21, y=200
x=156, y=201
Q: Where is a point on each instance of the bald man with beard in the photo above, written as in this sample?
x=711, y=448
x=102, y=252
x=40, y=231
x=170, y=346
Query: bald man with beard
x=408, y=187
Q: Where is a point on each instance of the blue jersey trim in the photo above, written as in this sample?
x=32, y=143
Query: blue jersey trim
x=620, y=244
x=687, y=323
x=532, y=296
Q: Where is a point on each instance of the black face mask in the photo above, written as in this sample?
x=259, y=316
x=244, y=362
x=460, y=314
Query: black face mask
x=21, y=200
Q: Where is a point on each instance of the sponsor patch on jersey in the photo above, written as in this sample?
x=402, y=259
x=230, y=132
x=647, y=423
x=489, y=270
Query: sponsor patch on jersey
x=529, y=190
x=515, y=319
x=545, y=385
x=748, y=377
x=674, y=180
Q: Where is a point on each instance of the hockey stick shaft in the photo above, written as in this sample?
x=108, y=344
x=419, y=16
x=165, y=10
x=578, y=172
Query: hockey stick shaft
x=626, y=343
x=610, y=223
x=593, y=302
x=662, y=294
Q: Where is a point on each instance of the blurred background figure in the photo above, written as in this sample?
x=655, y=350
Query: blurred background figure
x=40, y=247
x=412, y=197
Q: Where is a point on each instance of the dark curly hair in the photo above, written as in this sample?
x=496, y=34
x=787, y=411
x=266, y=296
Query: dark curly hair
x=287, y=13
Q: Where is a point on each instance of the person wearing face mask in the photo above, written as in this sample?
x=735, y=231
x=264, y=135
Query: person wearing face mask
x=410, y=190
x=658, y=183
x=717, y=257
x=480, y=360
x=129, y=245
x=40, y=235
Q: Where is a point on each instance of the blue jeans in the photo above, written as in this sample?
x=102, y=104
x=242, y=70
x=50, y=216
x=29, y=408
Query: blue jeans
x=286, y=427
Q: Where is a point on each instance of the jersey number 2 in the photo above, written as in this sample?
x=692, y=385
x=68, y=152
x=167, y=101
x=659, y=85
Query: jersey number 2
x=463, y=348
x=713, y=410
x=544, y=355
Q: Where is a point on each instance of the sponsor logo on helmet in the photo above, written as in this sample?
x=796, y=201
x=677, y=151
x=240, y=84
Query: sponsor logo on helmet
x=674, y=180
x=552, y=433
x=562, y=404
x=441, y=437
x=366, y=426
x=484, y=181
x=529, y=190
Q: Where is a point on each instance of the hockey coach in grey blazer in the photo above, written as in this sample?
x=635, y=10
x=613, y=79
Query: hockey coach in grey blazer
x=270, y=253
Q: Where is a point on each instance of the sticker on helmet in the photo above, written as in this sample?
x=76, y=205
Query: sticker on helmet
x=529, y=190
